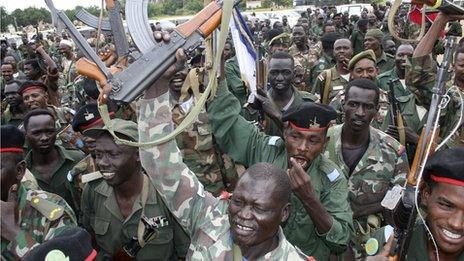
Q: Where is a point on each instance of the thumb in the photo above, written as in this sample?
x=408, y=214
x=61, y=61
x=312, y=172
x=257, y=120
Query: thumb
x=388, y=247
x=13, y=193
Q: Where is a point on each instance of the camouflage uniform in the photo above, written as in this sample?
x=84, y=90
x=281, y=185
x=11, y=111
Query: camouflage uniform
x=204, y=217
x=214, y=169
x=325, y=62
x=102, y=216
x=42, y=216
x=9, y=118
x=59, y=183
x=420, y=78
x=383, y=165
x=305, y=60
x=337, y=83
x=247, y=145
x=385, y=62
x=316, y=31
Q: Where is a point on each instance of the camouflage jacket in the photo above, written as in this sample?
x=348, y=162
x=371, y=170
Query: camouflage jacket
x=42, y=216
x=383, y=165
x=337, y=83
x=385, y=62
x=421, y=74
x=215, y=170
x=204, y=217
x=247, y=145
x=305, y=59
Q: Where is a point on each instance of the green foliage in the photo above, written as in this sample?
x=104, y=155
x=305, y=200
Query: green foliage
x=5, y=19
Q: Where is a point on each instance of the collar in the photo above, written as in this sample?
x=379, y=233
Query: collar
x=383, y=57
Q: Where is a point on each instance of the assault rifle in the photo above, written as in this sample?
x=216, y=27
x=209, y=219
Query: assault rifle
x=129, y=84
x=403, y=204
x=395, y=112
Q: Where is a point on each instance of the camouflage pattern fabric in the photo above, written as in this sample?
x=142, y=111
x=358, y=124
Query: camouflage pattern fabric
x=204, y=217
x=383, y=165
x=43, y=216
x=385, y=62
x=316, y=30
x=305, y=59
x=215, y=170
x=101, y=215
x=247, y=145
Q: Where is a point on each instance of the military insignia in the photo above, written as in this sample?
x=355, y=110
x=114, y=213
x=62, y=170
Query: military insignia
x=313, y=124
x=88, y=116
x=371, y=246
x=56, y=255
x=321, y=67
x=48, y=209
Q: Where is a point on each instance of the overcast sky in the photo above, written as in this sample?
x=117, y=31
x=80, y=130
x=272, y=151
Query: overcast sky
x=11, y=5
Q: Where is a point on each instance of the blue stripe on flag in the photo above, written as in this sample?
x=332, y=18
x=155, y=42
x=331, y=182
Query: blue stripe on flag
x=243, y=28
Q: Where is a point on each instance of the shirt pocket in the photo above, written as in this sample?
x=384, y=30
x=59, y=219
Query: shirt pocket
x=100, y=227
x=204, y=137
x=368, y=195
x=162, y=245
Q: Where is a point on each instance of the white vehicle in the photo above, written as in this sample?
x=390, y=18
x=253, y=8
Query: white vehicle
x=354, y=9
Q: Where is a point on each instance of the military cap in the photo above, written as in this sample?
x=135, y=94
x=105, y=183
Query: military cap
x=376, y=33
x=31, y=85
x=120, y=126
x=73, y=244
x=446, y=166
x=273, y=33
x=367, y=54
x=87, y=117
x=310, y=116
x=337, y=14
x=283, y=38
x=12, y=139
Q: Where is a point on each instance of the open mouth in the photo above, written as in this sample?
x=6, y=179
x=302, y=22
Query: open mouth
x=243, y=230
x=108, y=175
x=451, y=236
x=303, y=162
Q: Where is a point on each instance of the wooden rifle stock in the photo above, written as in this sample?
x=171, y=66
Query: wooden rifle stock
x=206, y=15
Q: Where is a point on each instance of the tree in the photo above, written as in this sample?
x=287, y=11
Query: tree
x=5, y=19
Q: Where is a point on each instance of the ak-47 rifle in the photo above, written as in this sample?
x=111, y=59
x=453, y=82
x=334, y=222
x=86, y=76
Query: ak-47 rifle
x=395, y=112
x=132, y=81
x=403, y=204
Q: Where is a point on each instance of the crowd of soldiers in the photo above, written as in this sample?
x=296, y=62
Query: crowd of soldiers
x=298, y=173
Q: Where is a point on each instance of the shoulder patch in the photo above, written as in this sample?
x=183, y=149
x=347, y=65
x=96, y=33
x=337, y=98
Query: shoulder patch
x=333, y=175
x=273, y=140
x=47, y=208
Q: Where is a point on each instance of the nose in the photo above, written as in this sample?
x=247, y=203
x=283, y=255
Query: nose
x=245, y=213
x=456, y=221
x=360, y=111
x=302, y=146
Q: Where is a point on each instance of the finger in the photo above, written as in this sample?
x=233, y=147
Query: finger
x=166, y=37
x=387, y=247
x=13, y=193
x=158, y=36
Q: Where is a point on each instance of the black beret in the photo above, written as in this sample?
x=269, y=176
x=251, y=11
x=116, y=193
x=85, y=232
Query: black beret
x=11, y=138
x=90, y=88
x=362, y=22
x=446, y=165
x=87, y=117
x=32, y=84
x=72, y=244
x=310, y=115
x=273, y=33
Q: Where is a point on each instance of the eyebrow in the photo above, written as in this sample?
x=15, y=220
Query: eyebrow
x=445, y=200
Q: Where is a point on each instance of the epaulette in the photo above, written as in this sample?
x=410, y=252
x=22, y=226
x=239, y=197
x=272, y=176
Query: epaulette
x=47, y=208
x=389, y=55
x=384, y=74
x=395, y=145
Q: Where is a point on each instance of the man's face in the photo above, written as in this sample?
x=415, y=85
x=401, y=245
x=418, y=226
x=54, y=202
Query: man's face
x=64, y=49
x=10, y=173
x=7, y=72
x=372, y=18
x=255, y=213
x=329, y=29
x=12, y=96
x=304, y=22
x=337, y=21
x=284, y=20
x=35, y=98
x=359, y=108
x=299, y=35
x=280, y=74
x=402, y=55
x=278, y=25
x=227, y=51
x=304, y=146
x=176, y=82
x=343, y=50
x=41, y=133
x=371, y=43
x=390, y=47
x=365, y=68
x=445, y=216
x=120, y=160
x=459, y=69
x=30, y=71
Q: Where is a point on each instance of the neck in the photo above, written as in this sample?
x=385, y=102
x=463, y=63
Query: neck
x=341, y=69
x=354, y=138
x=130, y=188
x=401, y=73
x=442, y=255
x=282, y=97
x=44, y=159
x=257, y=251
x=175, y=94
x=459, y=83
x=378, y=53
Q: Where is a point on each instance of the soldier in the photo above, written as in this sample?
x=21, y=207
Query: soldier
x=113, y=207
x=371, y=160
x=279, y=43
x=67, y=72
x=337, y=19
x=335, y=78
x=390, y=47
x=213, y=168
x=29, y=217
x=282, y=95
x=317, y=29
x=48, y=162
x=303, y=55
x=373, y=41
x=7, y=74
x=242, y=226
x=327, y=59
x=14, y=112
x=441, y=199
x=285, y=25
x=357, y=36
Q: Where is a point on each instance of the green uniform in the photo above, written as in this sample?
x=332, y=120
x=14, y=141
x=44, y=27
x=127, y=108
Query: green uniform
x=9, y=118
x=305, y=59
x=383, y=165
x=316, y=30
x=42, y=216
x=325, y=62
x=357, y=40
x=385, y=62
x=204, y=217
x=337, y=83
x=421, y=76
x=215, y=170
x=247, y=145
x=101, y=215
x=59, y=183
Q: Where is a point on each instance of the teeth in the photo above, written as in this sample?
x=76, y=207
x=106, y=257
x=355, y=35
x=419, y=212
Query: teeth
x=244, y=228
x=451, y=235
x=108, y=175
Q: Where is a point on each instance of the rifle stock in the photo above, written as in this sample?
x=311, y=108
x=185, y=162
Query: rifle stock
x=206, y=14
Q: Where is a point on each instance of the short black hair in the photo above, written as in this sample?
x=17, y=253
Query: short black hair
x=34, y=63
x=268, y=171
x=35, y=113
x=365, y=84
x=282, y=55
x=328, y=40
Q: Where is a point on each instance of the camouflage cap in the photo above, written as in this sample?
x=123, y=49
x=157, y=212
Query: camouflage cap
x=120, y=126
x=367, y=54
x=376, y=33
x=283, y=38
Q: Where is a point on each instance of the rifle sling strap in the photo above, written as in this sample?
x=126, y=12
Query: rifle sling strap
x=144, y=197
x=326, y=92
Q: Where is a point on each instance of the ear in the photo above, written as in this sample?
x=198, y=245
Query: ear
x=20, y=170
x=286, y=210
x=425, y=194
